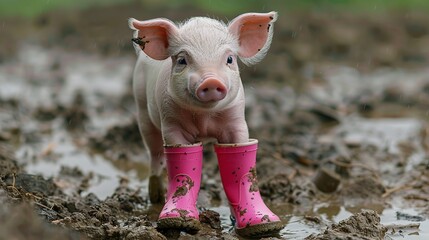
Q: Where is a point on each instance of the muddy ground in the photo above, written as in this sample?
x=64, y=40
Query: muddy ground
x=340, y=107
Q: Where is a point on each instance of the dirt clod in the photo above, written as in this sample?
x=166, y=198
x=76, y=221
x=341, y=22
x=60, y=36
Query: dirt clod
x=363, y=187
x=211, y=218
x=326, y=181
x=364, y=225
x=31, y=183
x=8, y=163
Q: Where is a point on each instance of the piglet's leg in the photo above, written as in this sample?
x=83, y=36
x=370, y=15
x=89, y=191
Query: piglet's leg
x=152, y=139
x=174, y=134
x=234, y=132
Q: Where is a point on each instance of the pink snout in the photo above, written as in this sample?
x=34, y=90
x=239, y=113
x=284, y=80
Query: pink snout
x=211, y=90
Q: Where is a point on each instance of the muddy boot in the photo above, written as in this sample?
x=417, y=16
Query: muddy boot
x=237, y=170
x=184, y=165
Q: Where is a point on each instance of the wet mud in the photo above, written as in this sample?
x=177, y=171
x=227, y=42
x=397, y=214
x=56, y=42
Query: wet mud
x=339, y=107
x=363, y=225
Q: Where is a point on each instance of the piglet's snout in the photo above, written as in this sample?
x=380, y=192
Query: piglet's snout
x=211, y=89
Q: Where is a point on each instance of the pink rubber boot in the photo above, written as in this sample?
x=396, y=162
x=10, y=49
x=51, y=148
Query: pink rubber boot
x=237, y=170
x=184, y=165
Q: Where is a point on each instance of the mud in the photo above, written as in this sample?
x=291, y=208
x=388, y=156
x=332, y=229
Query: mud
x=188, y=184
x=365, y=225
x=338, y=92
x=253, y=179
x=20, y=221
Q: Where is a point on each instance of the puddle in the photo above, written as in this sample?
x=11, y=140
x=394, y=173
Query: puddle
x=389, y=217
x=297, y=227
x=66, y=154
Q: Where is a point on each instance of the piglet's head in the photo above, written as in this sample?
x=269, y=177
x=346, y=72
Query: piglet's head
x=203, y=54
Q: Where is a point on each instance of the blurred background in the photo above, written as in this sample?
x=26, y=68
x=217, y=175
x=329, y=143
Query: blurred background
x=363, y=33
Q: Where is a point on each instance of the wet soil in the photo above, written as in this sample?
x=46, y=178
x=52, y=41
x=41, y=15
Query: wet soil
x=339, y=106
x=364, y=225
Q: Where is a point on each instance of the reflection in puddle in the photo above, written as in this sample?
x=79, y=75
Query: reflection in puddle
x=107, y=175
x=389, y=218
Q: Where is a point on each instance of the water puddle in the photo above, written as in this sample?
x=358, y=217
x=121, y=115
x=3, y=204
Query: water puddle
x=299, y=226
x=63, y=152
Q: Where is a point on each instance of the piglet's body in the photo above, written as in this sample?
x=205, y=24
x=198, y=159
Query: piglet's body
x=189, y=120
x=187, y=83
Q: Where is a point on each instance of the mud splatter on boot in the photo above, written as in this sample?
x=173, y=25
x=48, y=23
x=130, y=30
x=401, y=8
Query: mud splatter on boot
x=184, y=171
x=237, y=166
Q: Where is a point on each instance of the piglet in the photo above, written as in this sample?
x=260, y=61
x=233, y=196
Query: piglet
x=188, y=89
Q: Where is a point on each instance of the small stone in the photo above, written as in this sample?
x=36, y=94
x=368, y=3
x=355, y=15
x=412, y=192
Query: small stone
x=326, y=181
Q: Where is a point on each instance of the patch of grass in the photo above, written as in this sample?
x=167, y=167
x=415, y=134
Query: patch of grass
x=31, y=8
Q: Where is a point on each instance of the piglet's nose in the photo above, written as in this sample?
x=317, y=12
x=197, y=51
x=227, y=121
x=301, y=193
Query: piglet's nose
x=211, y=90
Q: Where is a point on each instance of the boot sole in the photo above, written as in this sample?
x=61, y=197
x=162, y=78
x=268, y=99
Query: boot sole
x=189, y=225
x=261, y=230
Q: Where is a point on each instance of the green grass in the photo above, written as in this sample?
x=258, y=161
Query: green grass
x=31, y=8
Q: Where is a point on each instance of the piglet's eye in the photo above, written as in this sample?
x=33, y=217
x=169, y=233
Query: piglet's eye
x=229, y=60
x=182, y=61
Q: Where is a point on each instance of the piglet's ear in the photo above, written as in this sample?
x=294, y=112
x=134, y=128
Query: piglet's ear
x=254, y=32
x=152, y=36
